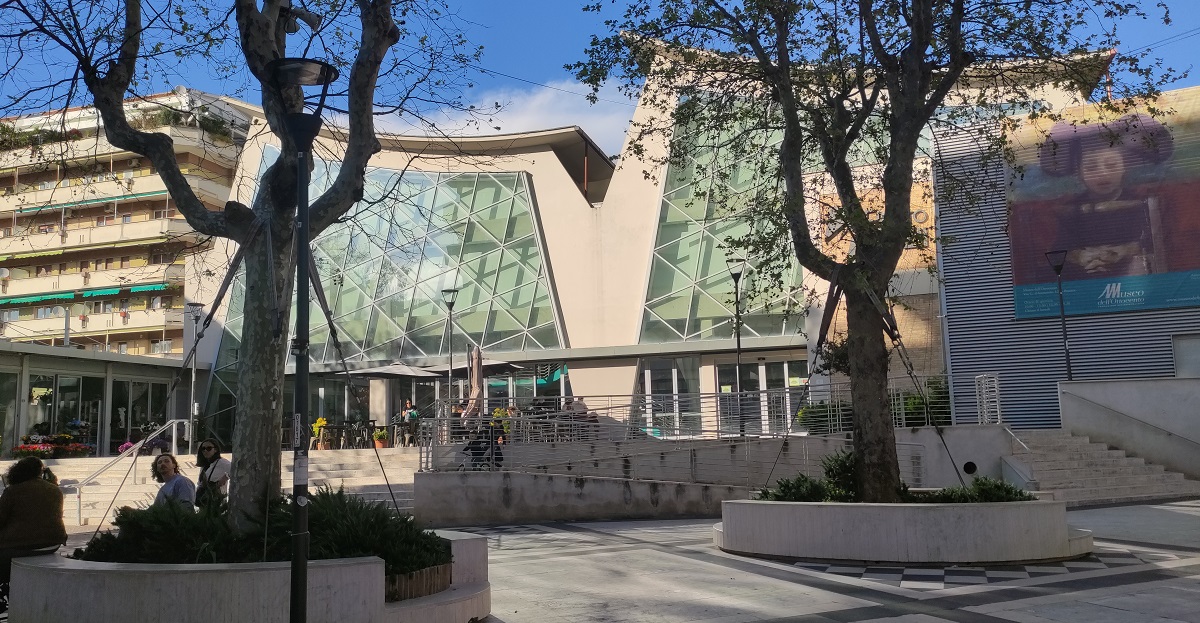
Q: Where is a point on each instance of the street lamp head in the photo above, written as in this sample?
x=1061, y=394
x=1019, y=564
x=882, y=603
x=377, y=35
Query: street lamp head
x=737, y=265
x=449, y=295
x=1057, y=259
x=197, y=309
x=301, y=72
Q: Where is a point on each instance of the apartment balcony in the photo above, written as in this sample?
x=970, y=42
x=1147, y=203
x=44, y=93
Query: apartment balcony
x=109, y=236
x=102, y=189
x=95, y=324
x=95, y=147
x=96, y=279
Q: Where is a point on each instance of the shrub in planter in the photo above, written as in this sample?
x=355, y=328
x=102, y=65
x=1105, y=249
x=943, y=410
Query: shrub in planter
x=341, y=526
x=40, y=450
x=838, y=486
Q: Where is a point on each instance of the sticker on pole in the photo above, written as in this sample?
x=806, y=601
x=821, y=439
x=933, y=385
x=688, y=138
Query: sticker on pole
x=297, y=433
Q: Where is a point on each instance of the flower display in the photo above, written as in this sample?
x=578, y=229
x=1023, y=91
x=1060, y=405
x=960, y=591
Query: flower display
x=40, y=450
x=125, y=446
x=318, y=425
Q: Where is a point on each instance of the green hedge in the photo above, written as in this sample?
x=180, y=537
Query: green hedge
x=838, y=485
x=341, y=526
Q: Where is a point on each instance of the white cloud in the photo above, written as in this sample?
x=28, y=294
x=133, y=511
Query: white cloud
x=556, y=105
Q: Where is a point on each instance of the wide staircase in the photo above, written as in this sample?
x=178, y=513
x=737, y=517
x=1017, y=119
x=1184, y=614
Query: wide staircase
x=1085, y=473
x=356, y=471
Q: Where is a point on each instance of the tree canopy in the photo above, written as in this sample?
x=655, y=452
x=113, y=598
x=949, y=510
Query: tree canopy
x=826, y=106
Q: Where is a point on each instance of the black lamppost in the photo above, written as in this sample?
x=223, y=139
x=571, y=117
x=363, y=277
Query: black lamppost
x=303, y=128
x=1058, y=259
x=449, y=295
x=736, y=266
x=197, y=310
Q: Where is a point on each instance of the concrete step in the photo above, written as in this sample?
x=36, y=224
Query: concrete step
x=1078, y=481
x=1063, y=446
x=1115, y=471
x=1049, y=464
x=1182, y=489
x=1078, y=455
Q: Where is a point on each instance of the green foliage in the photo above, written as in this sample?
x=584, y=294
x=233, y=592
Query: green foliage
x=839, y=468
x=982, y=489
x=342, y=526
x=822, y=417
x=912, y=405
x=798, y=489
x=838, y=485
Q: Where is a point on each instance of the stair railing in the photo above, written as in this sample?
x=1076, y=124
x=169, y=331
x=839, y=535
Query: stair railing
x=131, y=451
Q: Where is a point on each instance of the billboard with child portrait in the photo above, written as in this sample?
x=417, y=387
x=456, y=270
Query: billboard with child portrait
x=1114, y=203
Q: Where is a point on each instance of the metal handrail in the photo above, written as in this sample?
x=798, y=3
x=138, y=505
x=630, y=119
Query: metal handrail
x=1018, y=439
x=131, y=451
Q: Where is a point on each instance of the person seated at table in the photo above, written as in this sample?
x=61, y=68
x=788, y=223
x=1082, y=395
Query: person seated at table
x=31, y=517
x=412, y=423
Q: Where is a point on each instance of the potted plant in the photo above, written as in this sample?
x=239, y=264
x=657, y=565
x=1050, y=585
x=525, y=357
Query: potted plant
x=317, y=426
x=380, y=437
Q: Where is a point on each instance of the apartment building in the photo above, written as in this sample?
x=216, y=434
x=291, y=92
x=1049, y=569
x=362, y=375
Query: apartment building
x=92, y=251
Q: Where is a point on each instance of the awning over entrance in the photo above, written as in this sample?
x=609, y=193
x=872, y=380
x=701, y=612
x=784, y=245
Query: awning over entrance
x=490, y=367
x=394, y=370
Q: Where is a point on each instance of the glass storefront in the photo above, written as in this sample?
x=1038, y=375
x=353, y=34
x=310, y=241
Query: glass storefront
x=772, y=394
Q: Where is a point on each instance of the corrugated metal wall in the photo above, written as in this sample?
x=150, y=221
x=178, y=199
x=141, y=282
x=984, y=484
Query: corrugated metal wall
x=984, y=337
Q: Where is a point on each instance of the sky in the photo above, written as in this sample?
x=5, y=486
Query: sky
x=530, y=41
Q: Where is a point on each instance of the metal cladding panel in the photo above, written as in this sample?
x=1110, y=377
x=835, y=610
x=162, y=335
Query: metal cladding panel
x=984, y=337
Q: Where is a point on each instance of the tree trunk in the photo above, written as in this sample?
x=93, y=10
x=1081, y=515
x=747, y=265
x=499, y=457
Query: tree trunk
x=257, y=430
x=878, y=472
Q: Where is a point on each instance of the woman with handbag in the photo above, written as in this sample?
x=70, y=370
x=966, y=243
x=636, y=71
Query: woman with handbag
x=213, y=484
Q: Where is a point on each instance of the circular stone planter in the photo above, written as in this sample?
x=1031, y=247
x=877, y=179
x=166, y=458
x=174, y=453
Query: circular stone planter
x=991, y=533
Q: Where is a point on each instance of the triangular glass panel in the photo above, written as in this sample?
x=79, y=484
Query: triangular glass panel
x=350, y=299
x=471, y=323
x=495, y=219
x=407, y=257
x=385, y=353
x=491, y=189
x=424, y=311
x=334, y=243
x=453, y=200
x=391, y=279
x=381, y=330
x=450, y=239
x=655, y=331
x=665, y=279
x=541, y=311
x=434, y=261
x=673, y=310
x=481, y=271
x=501, y=326
x=237, y=299
x=513, y=272
x=519, y=226
x=353, y=327
x=518, y=302
x=365, y=275
x=713, y=258
x=705, y=312
x=429, y=338
x=316, y=343
x=682, y=254
x=545, y=336
x=395, y=307
x=512, y=344
x=527, y=251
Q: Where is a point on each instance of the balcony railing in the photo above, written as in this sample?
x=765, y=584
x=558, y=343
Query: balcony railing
x=49, y=244
x=75, y=192
x=90, y=280
x=95, y=324
x=98, y=146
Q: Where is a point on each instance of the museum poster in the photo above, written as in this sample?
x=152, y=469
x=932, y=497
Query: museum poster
x=1116, y=200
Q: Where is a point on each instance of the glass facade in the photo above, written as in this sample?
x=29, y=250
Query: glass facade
x=690, y=292
x=384, y=267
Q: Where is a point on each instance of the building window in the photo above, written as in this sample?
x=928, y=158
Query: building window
x=101, y=221
x=125, y=218
x=160, y=347
x=45, y=229
x=158, y=302
x=161, y=258
x=5, y=231
x=123, y=347
x=43, y=271
x=164, y=213
x=84, y=265
x=125, y=262
x=123, y=305
x=108, y=263
x=62, y=268
x=44, y=313
x=102, y=307
x=10, y=315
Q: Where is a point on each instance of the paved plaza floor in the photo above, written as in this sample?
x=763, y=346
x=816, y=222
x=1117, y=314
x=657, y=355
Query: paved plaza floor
x=1146, y=569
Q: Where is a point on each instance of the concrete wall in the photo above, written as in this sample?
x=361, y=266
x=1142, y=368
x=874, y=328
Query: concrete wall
x=982, y=445
x=53, y=588
x=1151, y=418
x=900, y=533
x=497, y=498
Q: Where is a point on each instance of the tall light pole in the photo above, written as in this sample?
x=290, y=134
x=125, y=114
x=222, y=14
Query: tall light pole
x=302, y=128
x=737, y=266
x=1058, y=259
x=197, y=310
x=449, y=295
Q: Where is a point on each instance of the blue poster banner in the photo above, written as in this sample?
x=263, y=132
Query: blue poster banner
x=1099, y=296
